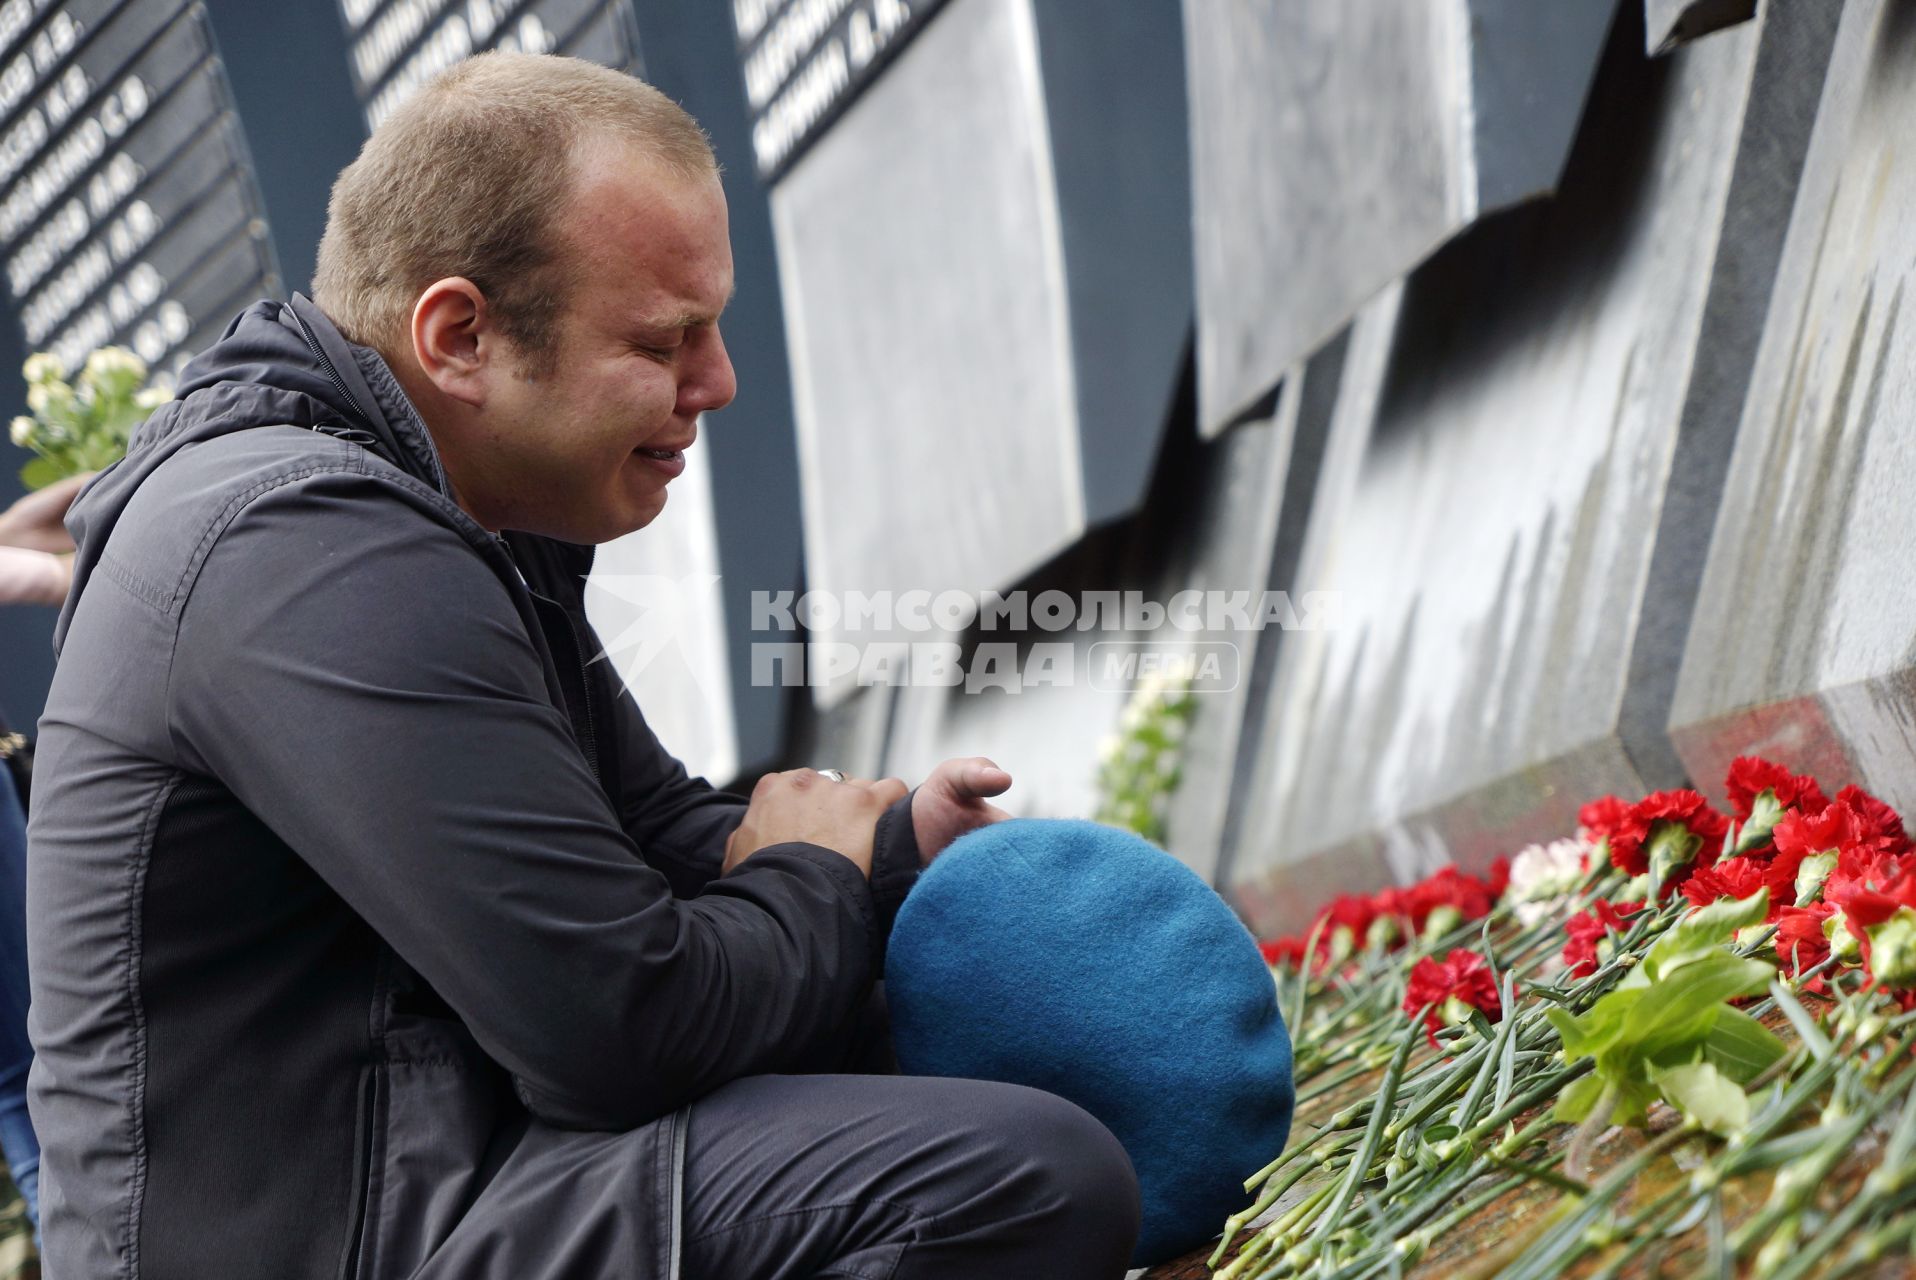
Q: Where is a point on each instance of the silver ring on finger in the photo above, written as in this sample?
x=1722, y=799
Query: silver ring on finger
x=832, y=775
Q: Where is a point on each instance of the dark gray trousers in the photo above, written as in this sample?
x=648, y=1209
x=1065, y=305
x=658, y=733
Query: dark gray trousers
x=874, y=1176
x=902, y=1178
x=787, y=1177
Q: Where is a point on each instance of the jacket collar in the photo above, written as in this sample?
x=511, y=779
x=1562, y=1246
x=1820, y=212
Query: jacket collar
x=372, y=393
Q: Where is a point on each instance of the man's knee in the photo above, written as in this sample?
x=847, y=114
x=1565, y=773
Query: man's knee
x=1069, y=1170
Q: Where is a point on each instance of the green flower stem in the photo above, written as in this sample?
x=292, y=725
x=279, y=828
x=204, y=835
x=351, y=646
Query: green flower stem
x=1342, y=1076
x=1367, y=1149
x=1539, y=1173
x=1887, y=1183
x=1840, y=1228
x=1336, y=1139
x=1442, y=1089
x=1873, y=1245
x=1467, y=1109
x=1310, y=951
x=1794, y=1187
x=1551, y=1253
x=1284, y=1231
x=1545, y=1087
x=1645, y=1227
x=1276, y=1187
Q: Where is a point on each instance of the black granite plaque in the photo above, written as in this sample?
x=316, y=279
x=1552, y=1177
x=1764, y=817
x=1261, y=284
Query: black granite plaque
x=398, y=45
x=805, y=60
x=122, y=174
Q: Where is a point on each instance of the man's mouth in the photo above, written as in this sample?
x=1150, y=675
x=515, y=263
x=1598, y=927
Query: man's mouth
x=670, y=463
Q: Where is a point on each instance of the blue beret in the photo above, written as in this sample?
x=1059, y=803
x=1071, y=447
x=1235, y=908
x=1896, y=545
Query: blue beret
x=1082, y=960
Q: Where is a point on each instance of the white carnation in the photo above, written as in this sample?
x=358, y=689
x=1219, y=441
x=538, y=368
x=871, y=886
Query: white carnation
x=1541, y=876
x=21, y=430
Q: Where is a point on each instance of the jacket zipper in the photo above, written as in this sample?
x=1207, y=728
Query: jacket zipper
x=325, y=362
x=356, y=1242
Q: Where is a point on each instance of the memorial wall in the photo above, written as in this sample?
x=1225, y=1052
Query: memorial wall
x=1561, y=345
x=1804, y=641
x=1539, y=452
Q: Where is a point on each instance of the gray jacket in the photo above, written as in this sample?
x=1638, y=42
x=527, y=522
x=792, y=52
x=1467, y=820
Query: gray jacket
x=346, y=861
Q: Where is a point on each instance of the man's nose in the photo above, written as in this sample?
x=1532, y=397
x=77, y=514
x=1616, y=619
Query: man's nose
x=711, y=382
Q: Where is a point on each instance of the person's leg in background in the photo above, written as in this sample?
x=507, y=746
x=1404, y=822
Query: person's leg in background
x=17, y=1141
x=902, y=1178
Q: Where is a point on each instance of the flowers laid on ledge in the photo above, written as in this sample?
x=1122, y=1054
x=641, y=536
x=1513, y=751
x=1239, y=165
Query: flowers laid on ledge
x=1740, y=986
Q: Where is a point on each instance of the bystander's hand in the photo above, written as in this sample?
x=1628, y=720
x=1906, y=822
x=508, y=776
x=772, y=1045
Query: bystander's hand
x=36, y=564
x=34, y=577
x=37, y=521
x=804, y=806
x=952, y=802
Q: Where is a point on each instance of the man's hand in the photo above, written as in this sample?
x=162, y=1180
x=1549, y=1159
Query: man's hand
x=952, y=802
x=801, y=805
x=35, y=522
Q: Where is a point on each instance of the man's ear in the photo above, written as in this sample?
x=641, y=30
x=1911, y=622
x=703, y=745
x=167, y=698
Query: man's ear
x=454, y=340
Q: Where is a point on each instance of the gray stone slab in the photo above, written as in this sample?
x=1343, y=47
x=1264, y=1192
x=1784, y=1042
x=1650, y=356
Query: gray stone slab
x=653, y=598
x=970, y=397
x=1212, y=523
x=1669, y=23
x=1801, y=645
x=923, y=279
x=1492, y=503
x=1335, y=145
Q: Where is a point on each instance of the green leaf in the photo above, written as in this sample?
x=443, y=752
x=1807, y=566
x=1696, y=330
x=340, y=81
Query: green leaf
x=1634, y=1096
x=1740, y=1046
x=41, y=472
x=1703, y=932
x=1577, y=1101
x=1705, y=1095
x=1680, y=1006
x=1592, y=1032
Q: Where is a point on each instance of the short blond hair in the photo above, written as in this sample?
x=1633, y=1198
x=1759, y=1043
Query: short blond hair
x=471, y=177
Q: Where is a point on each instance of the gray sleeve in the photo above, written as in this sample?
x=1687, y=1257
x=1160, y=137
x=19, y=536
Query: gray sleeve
x=352, y=669
x=680, y=823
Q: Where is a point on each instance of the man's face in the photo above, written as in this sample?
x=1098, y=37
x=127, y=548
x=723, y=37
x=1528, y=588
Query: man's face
x=583, y=449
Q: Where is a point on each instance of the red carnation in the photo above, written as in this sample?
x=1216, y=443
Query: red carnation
x=1881, y=914
x=1467, y=896
x=1838, y=829
x=1862, y=867
x=1678, y=827
x=1463, y=977
x=1880, y=823
x=1351, y=911
x=1751, y=776
x=1392, y=923
x=1869, y=889
x=1830, y=830
x=1737, y=878
x=1587, y=929
x=1499, y=878
x=1288, y=952
x=1801, y=944
x=1602, y=817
